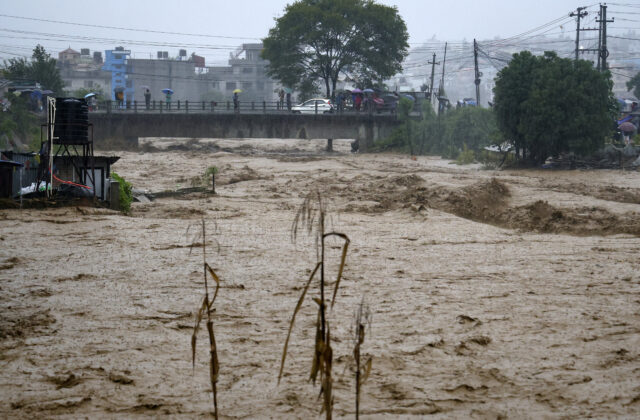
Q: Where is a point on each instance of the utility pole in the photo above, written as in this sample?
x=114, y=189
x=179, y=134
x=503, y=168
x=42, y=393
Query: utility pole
x=579, y=15
x=441, y=88
x=599, y=67
x=603, y=52
x=433, y=69
x=478, y=74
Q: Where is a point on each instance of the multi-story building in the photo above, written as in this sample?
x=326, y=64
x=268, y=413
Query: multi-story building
x=116, y=62
x=191, y=80
x=81, y=70
x=187, y=76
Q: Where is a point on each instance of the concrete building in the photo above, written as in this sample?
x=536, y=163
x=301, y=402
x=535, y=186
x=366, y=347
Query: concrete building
x=116, y=62
x=83, y=70
x=68, y=56
x=187, y=76
x=191, y=80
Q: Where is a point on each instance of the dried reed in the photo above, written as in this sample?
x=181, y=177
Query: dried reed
x=206, y=307
x=311, y=216
x=362, y=320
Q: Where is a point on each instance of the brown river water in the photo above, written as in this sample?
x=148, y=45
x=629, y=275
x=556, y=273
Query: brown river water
x=494, y=294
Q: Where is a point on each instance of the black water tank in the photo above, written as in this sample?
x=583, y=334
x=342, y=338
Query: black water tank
x=72, y=121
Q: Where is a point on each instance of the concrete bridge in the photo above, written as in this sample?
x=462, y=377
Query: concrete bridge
x=129, y=126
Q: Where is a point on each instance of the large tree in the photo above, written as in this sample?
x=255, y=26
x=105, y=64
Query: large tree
x=324, y=39
x=546, y=105
x=634, y=84
x=41, y=68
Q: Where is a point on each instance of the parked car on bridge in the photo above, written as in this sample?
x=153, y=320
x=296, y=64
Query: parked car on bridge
x=309, y=107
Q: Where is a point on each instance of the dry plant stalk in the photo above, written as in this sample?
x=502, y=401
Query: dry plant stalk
x=362, y=320
x=311, y=216
x=206, y=307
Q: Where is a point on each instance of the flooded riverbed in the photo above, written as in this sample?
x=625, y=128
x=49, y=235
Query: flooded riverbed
x=494, y=293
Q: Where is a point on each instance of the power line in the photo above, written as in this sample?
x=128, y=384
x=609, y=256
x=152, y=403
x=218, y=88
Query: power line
x=125, y=29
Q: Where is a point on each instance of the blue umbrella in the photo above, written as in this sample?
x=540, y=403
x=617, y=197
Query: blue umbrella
x=368, y=90
x=90, y=95
x=36, y=94
x=409, y=97
x=167, y=91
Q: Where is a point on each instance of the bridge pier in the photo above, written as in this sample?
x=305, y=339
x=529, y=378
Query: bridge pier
x=329, y=145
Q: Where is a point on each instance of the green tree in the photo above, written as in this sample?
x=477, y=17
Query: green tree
x=20, y=126
x=469, y=127
x=322, y=39
x=549, y=105
x=634, y=84
x=41, y=68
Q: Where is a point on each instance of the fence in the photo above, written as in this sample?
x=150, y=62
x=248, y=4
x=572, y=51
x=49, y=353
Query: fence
x=244, y=107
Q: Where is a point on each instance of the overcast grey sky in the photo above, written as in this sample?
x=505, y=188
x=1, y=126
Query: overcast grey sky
x=237, y=21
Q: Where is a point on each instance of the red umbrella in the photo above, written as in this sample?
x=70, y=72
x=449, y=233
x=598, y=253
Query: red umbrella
x=627, y=127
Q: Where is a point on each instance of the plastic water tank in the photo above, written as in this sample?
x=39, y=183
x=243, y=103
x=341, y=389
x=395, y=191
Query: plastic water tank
x=72, y=121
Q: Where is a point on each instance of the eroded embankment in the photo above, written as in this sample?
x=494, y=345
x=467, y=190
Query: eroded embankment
x=489, y=202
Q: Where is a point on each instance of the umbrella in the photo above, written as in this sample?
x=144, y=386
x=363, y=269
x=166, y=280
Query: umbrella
x=90, y=95
x=627, y=127
x=368, y=91
x=36, y=94
x=144, y=87
x=47, y=92
x=356, y=90
x=378, y=101
x=237, y=91
x=409, y=97
x=167, y=91
x=288, y=90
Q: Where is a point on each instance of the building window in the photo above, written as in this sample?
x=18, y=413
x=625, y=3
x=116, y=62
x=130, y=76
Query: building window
x=88, y=83
x=231, y=85
x=215, y=85
x=247, y=85
x=129, y=83
x=247, y=70
x=260, y=85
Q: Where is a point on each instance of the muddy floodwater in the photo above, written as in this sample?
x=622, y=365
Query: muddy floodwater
x=494, y=294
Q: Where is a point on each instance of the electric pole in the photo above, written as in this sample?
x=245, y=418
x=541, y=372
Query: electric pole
x=579, y=15
x=441, y=88
x=603, y=53
x=433, y=69
x=478, y=74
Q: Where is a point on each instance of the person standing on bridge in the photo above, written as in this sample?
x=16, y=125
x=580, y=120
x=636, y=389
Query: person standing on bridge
x=236, y=101
x=289, y=101
x=340, y=102
x=281, y=99
x=168, y=99
x=147, y=98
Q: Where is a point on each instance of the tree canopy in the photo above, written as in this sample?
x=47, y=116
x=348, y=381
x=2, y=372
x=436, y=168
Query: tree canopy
x=41, y=68
x=634, y=84
x=546, y=105
x=323, y=39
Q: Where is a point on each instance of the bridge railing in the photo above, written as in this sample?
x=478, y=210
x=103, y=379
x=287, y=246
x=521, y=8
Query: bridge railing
x=242, y=107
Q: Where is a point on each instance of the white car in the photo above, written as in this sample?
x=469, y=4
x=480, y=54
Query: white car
x=309, y=107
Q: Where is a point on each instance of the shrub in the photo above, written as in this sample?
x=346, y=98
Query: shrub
x=126, y=198
x=466, y=156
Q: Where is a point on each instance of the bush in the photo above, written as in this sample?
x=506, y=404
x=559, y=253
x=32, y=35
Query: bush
x=466, y=156
x=204, y=179
x=126, y=198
